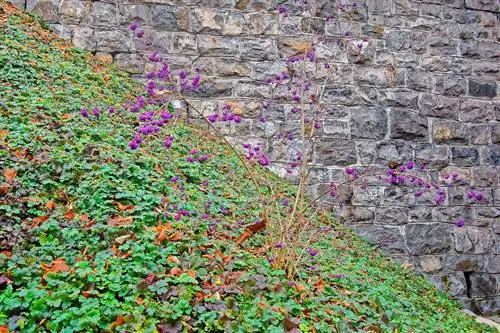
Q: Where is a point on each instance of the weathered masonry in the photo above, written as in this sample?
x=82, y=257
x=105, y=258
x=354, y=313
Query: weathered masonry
x=426, y=89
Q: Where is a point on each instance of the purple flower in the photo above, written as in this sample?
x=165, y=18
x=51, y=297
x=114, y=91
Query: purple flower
x=418, y=193
x=470, y=194
x=263, y=160
x=111, y=109
x=202, y=158
x=182, y=75
x=133, y=144
x=312, y=252
x=479, y=196
x=246, y=145
x=282, y=10
x=410, y=165
x=196, y=81
x=174, y=179
x=317, y=125
x=237, y=119
x=151, y=85
x=213, y=117
x=279, y=245
x=84, y=113
x=139, y=34
x=154, y=57
x=190, y=159
x=96, y=112
x=133, y=26
x=460, y=223
x=168, y=141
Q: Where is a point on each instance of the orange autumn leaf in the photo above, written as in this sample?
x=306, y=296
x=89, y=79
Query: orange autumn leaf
x=176, y=236
x=4, y=329
x=122, y=207
x=192, y=273
x=58, y=265
x=9, y=175
x=69, y=215
x=139, y=300
x=320, y=285
x=173, y=259
x=39, y=220
x=66, y=116
x=175, y=272
x=87, y=293
x=117, y=221
x=300, y=287
x=50, y=205
x=4, y=189
x=84, y=218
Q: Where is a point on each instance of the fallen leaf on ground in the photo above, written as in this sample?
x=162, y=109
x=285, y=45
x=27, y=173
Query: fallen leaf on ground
x=117, y=221
x=10, y=175
x=58, y=265
x=122, y=207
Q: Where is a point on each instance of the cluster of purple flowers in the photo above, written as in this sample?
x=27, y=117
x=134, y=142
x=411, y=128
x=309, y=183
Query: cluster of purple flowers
x=134, y=27
x=254, y=152
x=181, y=213
x=194, y=155
x=226, y=116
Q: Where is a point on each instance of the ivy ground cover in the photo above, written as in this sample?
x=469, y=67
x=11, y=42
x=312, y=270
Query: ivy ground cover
x=97, y=237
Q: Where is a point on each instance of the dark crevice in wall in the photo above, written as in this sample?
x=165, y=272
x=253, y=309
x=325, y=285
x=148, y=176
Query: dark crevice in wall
x=474, y=307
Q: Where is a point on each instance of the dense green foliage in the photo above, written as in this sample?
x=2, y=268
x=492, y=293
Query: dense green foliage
x=98, y=237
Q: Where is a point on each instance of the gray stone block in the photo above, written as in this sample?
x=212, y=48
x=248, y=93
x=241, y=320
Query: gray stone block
x=368, y=123
x=432, y=238
x=408, y=126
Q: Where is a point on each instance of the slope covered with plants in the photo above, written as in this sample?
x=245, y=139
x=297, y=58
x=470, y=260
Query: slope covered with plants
x=95, y=236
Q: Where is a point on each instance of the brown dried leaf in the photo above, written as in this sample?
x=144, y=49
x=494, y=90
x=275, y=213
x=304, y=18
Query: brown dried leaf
x=10, y=175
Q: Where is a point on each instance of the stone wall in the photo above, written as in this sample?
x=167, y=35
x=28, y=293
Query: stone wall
x=426, y=89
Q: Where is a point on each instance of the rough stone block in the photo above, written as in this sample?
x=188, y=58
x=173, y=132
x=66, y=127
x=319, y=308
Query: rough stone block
x=203, y=20
x=391, y=215
x=463, y=263
x=464, y=156
x=484, y=284
x=408, y=126
x=103, y=14
x=398, y=98
x=113, y=40
x=450, y=132
x=482, y=88
x=491, y=5
x=330, y=152
x=84, y=38
x=133, y=63
x=453, y=284
x=393, y=151
x=490, y=155
x=420, y=80
x=473, y=240
x=473, y=110
x=215, y=46
x=431, y=264
x=433, y=156
x=450, y=85
x=368, y=123
x=443, y=45
x=388, y=239
x=139, y=13
x=258, y=49
x=336, y=128
x=428, y=238
x=485, y=176
x=72, y=12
